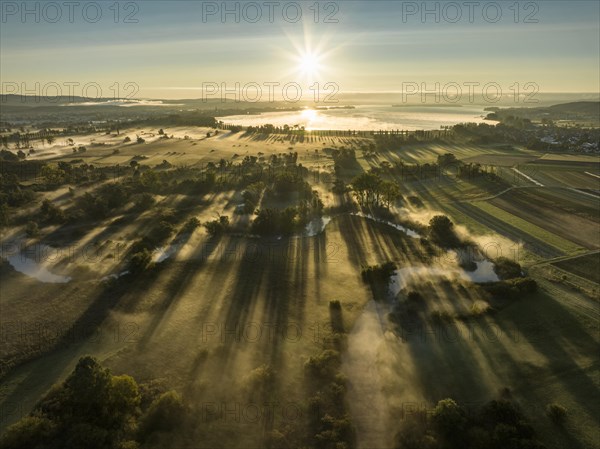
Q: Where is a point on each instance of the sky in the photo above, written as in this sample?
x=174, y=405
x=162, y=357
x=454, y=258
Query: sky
x=189, y=49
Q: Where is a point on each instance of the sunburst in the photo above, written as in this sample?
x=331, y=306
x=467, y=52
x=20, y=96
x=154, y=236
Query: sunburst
x=309, y=65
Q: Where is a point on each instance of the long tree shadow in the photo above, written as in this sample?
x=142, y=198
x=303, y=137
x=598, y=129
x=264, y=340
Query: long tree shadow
x=551, y=339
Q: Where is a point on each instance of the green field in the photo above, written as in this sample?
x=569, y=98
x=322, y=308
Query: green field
x=529, y=228
x=585, y=266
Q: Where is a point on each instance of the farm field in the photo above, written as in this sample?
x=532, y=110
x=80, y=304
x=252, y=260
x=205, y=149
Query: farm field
x=549, y=209
x=584, y=266
x=239, y=318
x=563, y=174
x=528, y=228
x=503, y=155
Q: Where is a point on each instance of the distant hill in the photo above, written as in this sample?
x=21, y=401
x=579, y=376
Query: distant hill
x=578, y=107
x=583, y=111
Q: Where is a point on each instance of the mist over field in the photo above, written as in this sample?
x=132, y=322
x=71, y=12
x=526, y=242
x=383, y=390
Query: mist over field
x=299, y=225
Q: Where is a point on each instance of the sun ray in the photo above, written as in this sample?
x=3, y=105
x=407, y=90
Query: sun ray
x=309, y=58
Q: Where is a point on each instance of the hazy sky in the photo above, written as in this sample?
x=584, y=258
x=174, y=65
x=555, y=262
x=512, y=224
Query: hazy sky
x=175, y=47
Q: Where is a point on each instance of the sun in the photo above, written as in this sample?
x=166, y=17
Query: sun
x=308, y=61
x=309, y=65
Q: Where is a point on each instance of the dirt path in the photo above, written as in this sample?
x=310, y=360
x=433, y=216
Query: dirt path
x=563, y=258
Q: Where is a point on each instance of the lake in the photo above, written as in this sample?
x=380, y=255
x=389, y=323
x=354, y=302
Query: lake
x=366, y=118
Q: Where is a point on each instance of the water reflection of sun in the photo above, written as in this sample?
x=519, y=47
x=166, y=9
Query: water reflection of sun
x=309, y=114
x=311, y=117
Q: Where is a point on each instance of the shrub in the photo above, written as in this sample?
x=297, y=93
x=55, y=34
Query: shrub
x=218, y=226
x=325, y=365
x=190, y=225
x=143, y=201
x=51, y=213
x=415, y=201
x=29, y=432
x=511, y=289
x=442, y=316
x=32, y=229
x=414, y=296
x=557, y=413
x=479, y=308
x=506, y=268
x=498, y=424
x=160, y=232
x=275, y=221
x=525, y=285
x=140, y=261
x=500, y=411
x=449, y=418
x=4, y=214
x=93, y=206
x=378, y=273
x=260, y=380
x=168, y=214
x=164, y=414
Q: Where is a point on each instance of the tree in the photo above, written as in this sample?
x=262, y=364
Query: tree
x=449, y=419
x=52, y=175
x=441, y=231
x=557, y=413
x=275, y=221
x=124, y=398
x=218, y=226
x=339, y=186
x=93, y=206
x=164, y=413
x=51, y=213
x=390, y=192
x=143, y=201
x=191, y=224
x=374, y=274
x=150, y=180
x=4, y=214
x=366, y=188
x=91, y=409
x=160, y=232
x=29, y=433
x=140, y=261
x=506, y=268
x=32, y=229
